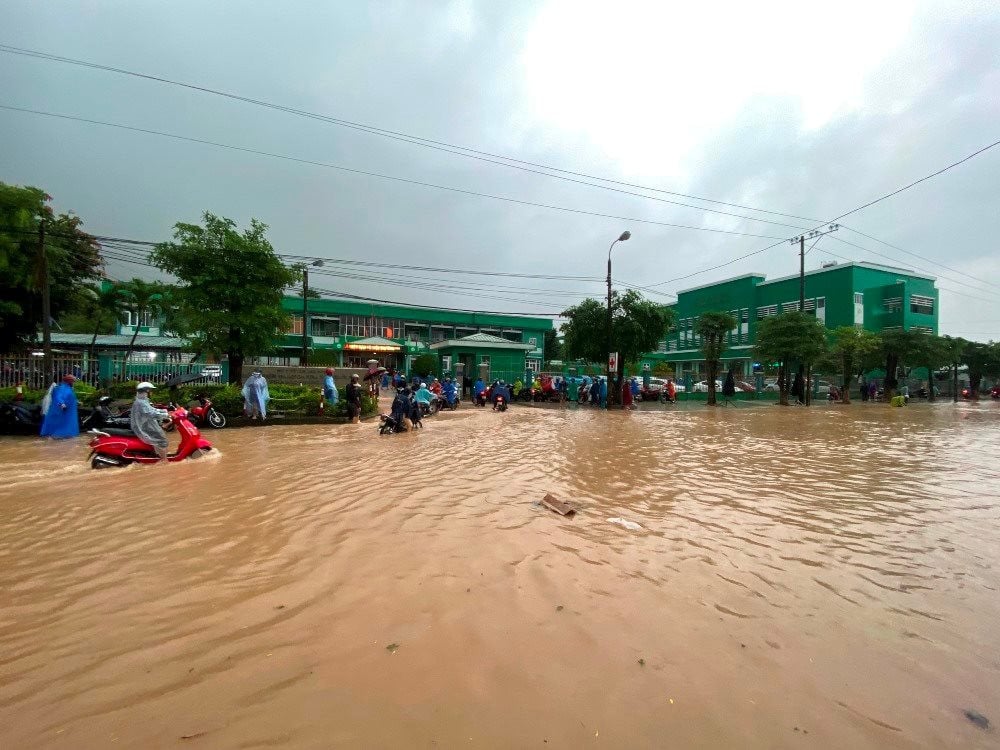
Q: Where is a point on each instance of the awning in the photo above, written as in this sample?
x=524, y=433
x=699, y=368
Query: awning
x=373, y=344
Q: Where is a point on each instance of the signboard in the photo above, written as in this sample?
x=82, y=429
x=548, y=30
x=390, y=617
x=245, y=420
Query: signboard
x=613, y=362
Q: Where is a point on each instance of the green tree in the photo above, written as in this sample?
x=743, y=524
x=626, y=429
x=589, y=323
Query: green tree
x=931, y=352
x=851, y=346
x=898, y=350
x=552, y=347
x=712, y=328
x=424, y=365
x=73, y=259
x=953, y=349
x=791, y=336
x=103, y=305
x=230, y=290
x=983, y=360
x=637, y=326
x=142, y=298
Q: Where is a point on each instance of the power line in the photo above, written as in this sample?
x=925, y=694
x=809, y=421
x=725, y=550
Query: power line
x=378, y=175
x=451, y=148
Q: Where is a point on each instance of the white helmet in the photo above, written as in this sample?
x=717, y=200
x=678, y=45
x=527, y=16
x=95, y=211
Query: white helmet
x=145, y=386
x=424, y=385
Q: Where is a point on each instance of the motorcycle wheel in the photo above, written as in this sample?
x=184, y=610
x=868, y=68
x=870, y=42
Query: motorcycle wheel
x=216, y=420
x=106, y=462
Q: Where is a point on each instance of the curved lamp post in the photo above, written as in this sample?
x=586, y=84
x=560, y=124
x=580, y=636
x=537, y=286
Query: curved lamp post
x=305, y=309
x=624, y=236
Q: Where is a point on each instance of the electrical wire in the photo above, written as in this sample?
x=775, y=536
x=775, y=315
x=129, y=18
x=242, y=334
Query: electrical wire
x=378, y=175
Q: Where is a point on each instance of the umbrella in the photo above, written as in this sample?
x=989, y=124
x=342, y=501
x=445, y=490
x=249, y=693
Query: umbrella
x=177, y=380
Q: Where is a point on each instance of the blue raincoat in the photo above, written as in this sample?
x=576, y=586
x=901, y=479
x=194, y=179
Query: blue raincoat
x=330, y=390
x=61, y=419
x=423, y=395
x=255, y=395
x=604, y=393
x=450, y=391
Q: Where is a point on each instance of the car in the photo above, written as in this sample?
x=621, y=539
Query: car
x=211, y=371
x=652, y=391
x=702, y=387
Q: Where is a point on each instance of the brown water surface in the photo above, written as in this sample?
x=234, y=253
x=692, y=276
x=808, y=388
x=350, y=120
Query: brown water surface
x=802, y=578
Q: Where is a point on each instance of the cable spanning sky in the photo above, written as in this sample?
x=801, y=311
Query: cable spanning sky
x=778, y=114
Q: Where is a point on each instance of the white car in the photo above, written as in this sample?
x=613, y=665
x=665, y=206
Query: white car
x=702, y=387
x=211, y=371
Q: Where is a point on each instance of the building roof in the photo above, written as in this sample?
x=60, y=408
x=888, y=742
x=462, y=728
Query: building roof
x=119, y=341
x=765, y=280
x=482, y=341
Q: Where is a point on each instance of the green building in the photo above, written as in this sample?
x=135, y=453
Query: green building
x=355, y=332
x=875, y=297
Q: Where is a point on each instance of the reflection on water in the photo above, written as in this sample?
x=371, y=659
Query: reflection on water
x=827, y=571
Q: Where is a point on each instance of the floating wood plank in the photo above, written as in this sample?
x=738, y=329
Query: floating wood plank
x=558, y=506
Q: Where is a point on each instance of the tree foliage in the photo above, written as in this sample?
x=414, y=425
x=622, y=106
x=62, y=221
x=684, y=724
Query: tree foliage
x=637, y=326
x=983, y=360
x=141, y=297
x=425, y=364
x=230, y=290
x=712, y=328
x=852, y=346
x=73, y=259
x=791, y=336
x=553, y=348
x=899, y=350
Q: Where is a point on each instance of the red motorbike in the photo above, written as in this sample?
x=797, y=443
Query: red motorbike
x=204, y=414
x=120, y=447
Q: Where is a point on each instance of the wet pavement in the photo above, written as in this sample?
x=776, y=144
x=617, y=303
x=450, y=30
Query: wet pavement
x=819, y=577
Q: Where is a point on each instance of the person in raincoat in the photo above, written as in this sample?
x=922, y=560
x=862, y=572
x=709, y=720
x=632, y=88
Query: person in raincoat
x=47, y=398
x=729, y=386
x=61, y=420
x=423, y=395
x=144, y=420
x=627, y=395
x=604, y=393
x=255, y=396
x=449, y=390
x=329, y=387
x=354, y=400
x=477, y=388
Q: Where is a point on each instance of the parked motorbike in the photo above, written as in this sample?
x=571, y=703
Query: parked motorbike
x=102, y=416
x=205, y=414
x=17, y=418
x=114, y=446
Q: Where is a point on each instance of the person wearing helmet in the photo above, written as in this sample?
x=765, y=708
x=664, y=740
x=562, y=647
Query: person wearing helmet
x=423, y=395
x=435, y=387
x=144, y=419
x=500, y=389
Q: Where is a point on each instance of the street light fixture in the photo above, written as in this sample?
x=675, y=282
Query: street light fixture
x=305, y=309
x=622, y=238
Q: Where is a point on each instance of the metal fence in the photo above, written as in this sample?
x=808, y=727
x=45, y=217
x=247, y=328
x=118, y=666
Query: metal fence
x=29, y=370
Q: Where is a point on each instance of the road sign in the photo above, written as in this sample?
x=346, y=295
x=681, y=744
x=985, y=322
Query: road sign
x=613, y=362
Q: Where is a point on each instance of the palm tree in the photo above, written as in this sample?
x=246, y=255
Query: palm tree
x=105, y=305
x=142, y=297
x=712, y=328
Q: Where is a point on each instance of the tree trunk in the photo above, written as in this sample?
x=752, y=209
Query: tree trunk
x=782, y=385
x=807, y=386
x=954, y=382
x=235, y=367
x=713, y=371
x=131, y=344
x=891, y=365
x=975, y=378
x=93, y=344
x=930, y=384
x=845, y=395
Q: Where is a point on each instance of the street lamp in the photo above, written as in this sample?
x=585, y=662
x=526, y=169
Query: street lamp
x=305, y=310
x=624, y=236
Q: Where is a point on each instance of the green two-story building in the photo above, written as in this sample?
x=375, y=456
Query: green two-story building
x=395, y=335
x=875, y=297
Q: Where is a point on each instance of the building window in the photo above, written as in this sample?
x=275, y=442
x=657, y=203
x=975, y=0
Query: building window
x=534, y=365
x=485, y=360
x=766, y=311
x=921, y=305
x=859, y=298
x=132, y=318
x=296, y=326
x=893, y=304
x=445, y=363
x=322, y=326
x=533, y=340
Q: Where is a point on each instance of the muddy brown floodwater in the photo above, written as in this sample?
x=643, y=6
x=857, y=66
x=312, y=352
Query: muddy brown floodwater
x=801, y=578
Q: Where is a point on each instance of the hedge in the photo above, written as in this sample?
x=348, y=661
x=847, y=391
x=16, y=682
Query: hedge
x=85, y=394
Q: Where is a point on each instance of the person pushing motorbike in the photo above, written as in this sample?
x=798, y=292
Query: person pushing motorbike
x=144, y=419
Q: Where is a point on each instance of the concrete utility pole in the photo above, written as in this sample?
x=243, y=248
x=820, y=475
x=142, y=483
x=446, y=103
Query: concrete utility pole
x=624, y=236
x=43, y=273
x=801, y=239
x=305, y=310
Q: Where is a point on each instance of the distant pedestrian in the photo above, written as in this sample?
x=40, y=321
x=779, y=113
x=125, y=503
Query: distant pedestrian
x=729, y=387
x=603, y=392
x=255, y=396
x=872, y=390
x=798, y=388
x=864, y=390
x=329, y=387
x=671, y=391
x=353, y=396
x=627, y=396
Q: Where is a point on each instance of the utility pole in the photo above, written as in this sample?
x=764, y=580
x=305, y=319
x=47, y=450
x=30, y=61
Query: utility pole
x=43, y=272
x=621, y=238
x=801, y=239
x=305, y=315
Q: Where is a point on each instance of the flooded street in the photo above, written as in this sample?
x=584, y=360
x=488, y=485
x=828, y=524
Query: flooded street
x=820, y=578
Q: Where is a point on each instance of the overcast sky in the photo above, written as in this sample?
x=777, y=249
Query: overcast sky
x=801, y=108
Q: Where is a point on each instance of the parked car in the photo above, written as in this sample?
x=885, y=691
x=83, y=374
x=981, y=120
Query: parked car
x=702, y=387
x=652, y=392
x=211, y=371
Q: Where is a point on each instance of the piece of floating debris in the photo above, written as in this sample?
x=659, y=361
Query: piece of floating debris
x=554, y=504
x=978, y=719
x=625, y=524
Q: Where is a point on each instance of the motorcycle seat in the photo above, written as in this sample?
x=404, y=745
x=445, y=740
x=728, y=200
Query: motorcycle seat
x=121, y=431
